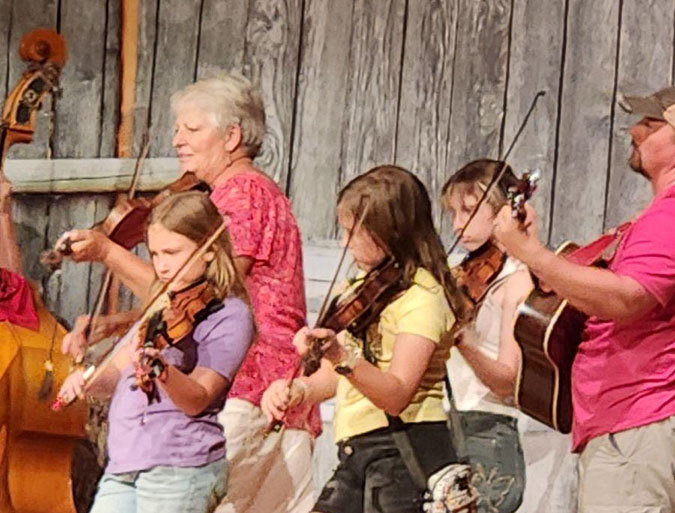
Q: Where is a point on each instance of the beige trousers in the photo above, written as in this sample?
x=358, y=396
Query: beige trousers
x=631, y=471
x=267, y=474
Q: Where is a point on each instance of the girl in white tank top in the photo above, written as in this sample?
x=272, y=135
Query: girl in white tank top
x=484, y=366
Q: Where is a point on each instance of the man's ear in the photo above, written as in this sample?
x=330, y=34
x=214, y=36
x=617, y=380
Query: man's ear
x=233, y=138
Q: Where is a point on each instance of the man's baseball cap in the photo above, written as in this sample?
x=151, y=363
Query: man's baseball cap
x=660, y=105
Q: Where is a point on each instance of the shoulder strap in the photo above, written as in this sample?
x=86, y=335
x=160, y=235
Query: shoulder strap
x=400, y=436
x=398, y=432
x=457, y=432
x=601, y=248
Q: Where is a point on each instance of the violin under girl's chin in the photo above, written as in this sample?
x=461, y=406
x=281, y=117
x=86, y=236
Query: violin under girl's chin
x=471, y=244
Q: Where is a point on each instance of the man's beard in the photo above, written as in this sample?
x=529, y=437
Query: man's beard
x=635, y=163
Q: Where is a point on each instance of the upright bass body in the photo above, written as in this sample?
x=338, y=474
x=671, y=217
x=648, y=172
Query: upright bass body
x=39, y=449
x=42, y=455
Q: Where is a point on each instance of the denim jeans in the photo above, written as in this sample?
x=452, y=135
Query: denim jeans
x=372, y=476
x=163, y=490
x=497, y=462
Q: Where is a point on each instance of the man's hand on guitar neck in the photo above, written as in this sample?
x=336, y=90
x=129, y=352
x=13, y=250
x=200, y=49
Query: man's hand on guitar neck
x=519, y=238
x=592, y=290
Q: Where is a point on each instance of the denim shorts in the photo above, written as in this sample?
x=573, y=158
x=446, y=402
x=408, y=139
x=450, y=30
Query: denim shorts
x=163, y=489
x=372, y=477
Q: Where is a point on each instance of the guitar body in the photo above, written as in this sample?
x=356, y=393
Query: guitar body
x=548, y=331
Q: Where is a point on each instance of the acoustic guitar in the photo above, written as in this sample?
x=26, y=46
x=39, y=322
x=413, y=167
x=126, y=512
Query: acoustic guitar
x=549, y=330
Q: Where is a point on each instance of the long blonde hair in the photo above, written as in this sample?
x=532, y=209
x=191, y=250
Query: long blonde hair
x=192, y=215
x=396, y=211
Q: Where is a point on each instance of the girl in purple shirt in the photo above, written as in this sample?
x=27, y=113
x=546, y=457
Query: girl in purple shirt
x=168, y=454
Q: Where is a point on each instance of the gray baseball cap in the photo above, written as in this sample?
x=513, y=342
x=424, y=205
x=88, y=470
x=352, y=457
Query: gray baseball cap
x=660, y=105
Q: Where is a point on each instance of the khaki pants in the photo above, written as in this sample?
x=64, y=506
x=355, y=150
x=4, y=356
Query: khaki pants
x=631, y=471
x=270, y=474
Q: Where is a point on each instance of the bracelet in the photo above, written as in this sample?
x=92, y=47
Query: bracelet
x=303, y=387
x=351, y=354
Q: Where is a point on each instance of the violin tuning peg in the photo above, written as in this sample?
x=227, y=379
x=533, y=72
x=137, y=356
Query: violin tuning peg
x=535, y=175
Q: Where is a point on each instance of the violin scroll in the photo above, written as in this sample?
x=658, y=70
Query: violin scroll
x=519, y=195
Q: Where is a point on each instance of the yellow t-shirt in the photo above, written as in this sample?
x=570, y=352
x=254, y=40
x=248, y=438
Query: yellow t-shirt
x=421, y=310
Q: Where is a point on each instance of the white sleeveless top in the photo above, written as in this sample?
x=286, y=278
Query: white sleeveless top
x=468, y=390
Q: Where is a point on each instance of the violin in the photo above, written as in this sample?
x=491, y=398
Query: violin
x=480, y=267
x=478, y=270
x=183, y=311
x=360, y=308
x=125, y=223
x=171, y=325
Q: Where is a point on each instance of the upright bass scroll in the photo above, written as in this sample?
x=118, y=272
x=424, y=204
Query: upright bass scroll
x=45, y=51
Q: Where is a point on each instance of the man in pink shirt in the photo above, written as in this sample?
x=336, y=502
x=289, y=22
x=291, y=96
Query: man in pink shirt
x=624, y=373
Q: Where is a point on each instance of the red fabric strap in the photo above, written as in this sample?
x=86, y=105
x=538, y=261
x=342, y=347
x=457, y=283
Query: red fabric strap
x=16, y=301
x=601, y=248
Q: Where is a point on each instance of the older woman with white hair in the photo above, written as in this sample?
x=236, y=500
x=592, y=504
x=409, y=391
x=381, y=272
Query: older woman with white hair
x=219, y=128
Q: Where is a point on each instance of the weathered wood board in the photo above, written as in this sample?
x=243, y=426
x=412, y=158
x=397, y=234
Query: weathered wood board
x=645, y=65
x=479, y=84
x=422, y=143
x=541, y=26
x=587, y=103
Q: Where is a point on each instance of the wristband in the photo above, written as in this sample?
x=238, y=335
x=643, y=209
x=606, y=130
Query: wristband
x=302, y=387
x=350, y=356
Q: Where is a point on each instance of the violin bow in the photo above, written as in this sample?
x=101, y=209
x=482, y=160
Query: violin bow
x=502, y=170
x=279, y=423
x=108, y=277
x=93, y=371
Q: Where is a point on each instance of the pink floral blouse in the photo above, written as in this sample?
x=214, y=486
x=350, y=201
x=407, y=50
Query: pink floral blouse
x=262, y=226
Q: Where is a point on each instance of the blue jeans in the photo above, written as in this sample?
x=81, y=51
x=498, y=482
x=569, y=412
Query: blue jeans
x=497, y=462
x=163, y=490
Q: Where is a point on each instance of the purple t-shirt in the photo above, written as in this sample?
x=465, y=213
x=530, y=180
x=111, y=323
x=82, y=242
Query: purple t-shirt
x=142, y=435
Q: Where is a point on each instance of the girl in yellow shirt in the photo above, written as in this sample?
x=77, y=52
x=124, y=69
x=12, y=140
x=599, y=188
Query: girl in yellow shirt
x=395, y=367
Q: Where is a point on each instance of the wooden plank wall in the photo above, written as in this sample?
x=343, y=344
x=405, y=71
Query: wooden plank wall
x=348, y=84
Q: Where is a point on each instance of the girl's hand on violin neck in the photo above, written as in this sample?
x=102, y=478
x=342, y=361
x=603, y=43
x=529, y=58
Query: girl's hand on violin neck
x=330, y=344
x=73, y=387
x=519, y=239
x=465, y=336
x=85, y=245
x=279, y=397
x=148, y=354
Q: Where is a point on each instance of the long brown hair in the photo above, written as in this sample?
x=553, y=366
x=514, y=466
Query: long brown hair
x=395, y=209
x=192, y=215
x=475, y=177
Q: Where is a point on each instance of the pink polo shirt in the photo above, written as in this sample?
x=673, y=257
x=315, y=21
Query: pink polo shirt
x=624, y=374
